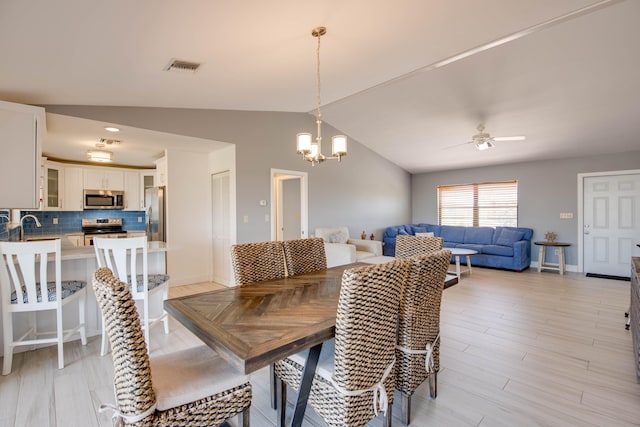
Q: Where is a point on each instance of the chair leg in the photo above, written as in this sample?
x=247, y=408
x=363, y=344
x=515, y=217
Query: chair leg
x=281, y=402
x=405, y=401
x=386, y=418
x=8, y=339
x=433, y=385
x=145, y=309
x=104, y=349
x=272, y=386
x=165, y=296
x=243, y=418
x=60, y=337
x=81, y=318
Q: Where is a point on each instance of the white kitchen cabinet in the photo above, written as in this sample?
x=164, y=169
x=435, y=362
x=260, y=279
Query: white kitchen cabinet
x=21, y=129
x=76, y=240
x=132, y=199
x=103, y=179
x=161, y=172
x=147, y=180
x=53, y=186
x=73, y=189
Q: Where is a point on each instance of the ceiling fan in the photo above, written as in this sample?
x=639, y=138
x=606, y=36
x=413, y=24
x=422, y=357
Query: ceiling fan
x=483, y=140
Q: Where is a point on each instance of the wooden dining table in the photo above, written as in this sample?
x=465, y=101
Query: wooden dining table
x=254, y=325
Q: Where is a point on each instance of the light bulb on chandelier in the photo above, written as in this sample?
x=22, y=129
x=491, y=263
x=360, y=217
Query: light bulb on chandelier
x=312, y=151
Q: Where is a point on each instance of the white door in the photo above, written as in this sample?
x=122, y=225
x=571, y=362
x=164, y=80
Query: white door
x=221, y=229
x=611, y=224
x=289, y=208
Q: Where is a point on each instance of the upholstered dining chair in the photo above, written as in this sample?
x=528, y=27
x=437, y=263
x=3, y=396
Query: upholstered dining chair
x=192, y=387
x=304, y=255
x=127, y=258
x=256, y=262
x=28, y=287
x=418, y=347
x=408, y=246
x=355, y=375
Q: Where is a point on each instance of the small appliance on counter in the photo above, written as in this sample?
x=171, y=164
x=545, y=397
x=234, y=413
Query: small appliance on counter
x=102, y=227
x=154, y=202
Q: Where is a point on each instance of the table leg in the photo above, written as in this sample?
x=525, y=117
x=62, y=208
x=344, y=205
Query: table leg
x=561, y=260
x=540, y=258
x=305, y=385
x=458, y=266
x=469, y=264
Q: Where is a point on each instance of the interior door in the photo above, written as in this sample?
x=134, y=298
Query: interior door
x=289, y=206
x=291, y=209
x=611, y=223
x=221, y=229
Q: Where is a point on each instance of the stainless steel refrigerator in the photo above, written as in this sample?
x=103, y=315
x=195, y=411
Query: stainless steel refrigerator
x=154, y=202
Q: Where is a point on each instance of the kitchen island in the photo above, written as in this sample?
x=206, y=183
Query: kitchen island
x=79, y=263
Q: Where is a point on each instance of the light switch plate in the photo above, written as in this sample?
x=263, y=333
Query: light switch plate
x=566, y=215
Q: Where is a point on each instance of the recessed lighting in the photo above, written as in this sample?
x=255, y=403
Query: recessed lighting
x=111, y=129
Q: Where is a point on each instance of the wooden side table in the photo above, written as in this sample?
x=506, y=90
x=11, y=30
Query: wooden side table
x=541, y=256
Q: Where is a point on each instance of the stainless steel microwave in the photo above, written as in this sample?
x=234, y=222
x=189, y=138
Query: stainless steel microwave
x=103, y=199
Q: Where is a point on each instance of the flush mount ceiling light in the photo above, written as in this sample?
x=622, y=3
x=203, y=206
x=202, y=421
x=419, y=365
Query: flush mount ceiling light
x=111, y=129
x=100, y=154
x=311, y=151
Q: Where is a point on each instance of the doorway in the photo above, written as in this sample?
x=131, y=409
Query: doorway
x=609, y=222
x=289, y=205
x=221, y=227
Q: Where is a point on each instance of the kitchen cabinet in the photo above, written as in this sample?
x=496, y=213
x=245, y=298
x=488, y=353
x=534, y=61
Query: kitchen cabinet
x=21, y=129
x=73, y=187
x=132, y=198
x=77, y=240
x=53, y=186
x=103, y=179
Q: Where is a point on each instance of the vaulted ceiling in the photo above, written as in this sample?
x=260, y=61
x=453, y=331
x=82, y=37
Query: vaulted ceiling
x=410, y=79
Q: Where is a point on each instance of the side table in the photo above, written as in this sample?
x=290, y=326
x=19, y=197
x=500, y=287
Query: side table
x=457, y=253
x=541, y=256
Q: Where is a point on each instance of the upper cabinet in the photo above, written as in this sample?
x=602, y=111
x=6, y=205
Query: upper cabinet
x=73, y=186
x=132, y=199
x=53, y=186
x=161, y=172
x=103, y=179
x=21, y=128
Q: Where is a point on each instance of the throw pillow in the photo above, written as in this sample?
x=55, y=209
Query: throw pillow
x=509, y=237
x=427, y=234
x=338, y=237
x=417, y=230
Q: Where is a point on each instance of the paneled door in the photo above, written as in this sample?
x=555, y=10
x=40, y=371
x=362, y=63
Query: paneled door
x=611, y=224
x=221, y=229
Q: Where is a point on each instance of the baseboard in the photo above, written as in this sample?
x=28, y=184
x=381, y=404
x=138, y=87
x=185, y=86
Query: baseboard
x=567, y=267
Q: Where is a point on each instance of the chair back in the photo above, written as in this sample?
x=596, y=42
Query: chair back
x=256, y=262
x=132, y=372
x=127, y=259
x=408, y=246
x=24, y=276
x=365, y=337
x=304, y=255
x=419, y=318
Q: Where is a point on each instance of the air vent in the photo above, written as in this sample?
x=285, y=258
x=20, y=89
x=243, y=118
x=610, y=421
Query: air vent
x=105, y=141
x=178, y=65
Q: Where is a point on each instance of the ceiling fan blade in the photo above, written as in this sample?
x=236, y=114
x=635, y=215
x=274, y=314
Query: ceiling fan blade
x=510, y=138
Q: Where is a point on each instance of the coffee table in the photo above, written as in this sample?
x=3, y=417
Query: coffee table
x=458, y=252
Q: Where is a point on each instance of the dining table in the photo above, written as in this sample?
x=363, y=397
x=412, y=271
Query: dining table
x=256, y=324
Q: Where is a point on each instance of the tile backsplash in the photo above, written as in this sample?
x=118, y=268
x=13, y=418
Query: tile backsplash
x=70, y=222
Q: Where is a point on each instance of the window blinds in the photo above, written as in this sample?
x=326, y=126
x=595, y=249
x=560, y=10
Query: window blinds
x=488, y=204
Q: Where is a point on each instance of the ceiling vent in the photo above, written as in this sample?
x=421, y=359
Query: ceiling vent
x=105, y=141
x=178, y=65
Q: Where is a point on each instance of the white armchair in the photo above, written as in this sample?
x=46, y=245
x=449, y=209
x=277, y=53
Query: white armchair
x=340, y=249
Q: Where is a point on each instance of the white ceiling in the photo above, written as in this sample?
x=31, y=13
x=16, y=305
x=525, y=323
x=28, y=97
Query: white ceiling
x=568, y=79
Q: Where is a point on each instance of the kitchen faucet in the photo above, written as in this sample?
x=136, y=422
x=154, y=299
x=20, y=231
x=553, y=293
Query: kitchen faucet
x=22, y=224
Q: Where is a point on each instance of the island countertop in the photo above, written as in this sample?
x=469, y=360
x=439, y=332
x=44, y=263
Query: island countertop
x=88, y=252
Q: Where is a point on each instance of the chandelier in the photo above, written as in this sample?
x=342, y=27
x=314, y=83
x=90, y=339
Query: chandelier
x=312, y=151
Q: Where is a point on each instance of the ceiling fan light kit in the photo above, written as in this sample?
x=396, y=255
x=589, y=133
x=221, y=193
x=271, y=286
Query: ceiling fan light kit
x=483, y=140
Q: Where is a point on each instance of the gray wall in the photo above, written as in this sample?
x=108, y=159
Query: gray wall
x=545, y=188
x=364, y=191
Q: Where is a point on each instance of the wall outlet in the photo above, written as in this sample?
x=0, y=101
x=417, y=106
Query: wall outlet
x=139, y=219
x=245, y=219
x=55, y=221
x=266, y=218
x=566, y=215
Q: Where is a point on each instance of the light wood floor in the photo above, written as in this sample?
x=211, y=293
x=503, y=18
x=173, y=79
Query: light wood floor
x=518, y=349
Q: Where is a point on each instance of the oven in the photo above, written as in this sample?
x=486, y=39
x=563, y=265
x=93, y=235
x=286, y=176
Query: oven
x=102, y=227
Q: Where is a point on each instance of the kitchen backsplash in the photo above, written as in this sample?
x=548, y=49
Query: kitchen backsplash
x=71, y=222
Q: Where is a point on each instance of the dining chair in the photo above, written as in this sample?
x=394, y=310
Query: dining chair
x=408, y=246
x=355, y=376
x=304, y=255
x=256, y=262
x=192, y=387
x=127, y=258
x=29, y=285
x=418, y=346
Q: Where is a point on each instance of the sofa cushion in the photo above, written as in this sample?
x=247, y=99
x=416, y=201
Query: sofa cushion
x=477, y=248
x=417, y=229
x=452, y=233
x=478, y=235
x=509, y=237
x=426, y=234
x=498, y=250
x=450, y=245
x=433, y=228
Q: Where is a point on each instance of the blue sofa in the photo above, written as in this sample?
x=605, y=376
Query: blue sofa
x=507, y=248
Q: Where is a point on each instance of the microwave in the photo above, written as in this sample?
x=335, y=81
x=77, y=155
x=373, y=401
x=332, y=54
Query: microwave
x=103, y=199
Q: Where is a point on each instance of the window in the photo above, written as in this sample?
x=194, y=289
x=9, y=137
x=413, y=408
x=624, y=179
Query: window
x=488, y=204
